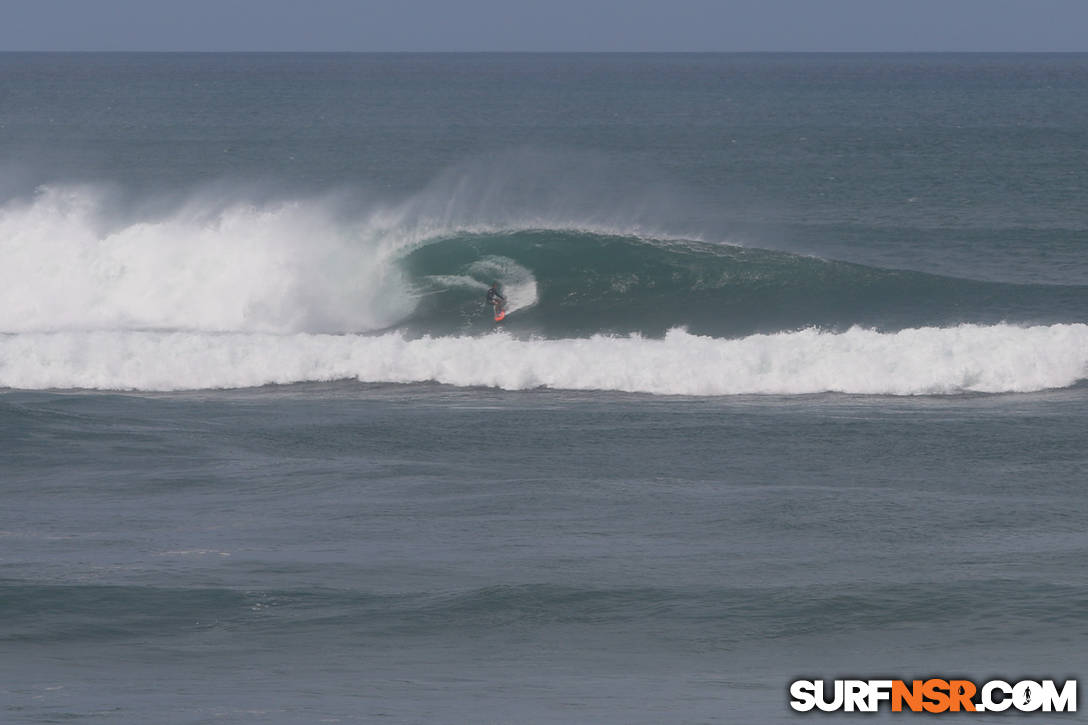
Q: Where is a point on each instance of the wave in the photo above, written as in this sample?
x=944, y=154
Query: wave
x=81, y=257
x=308, y=266
x=581, y=282
x=923, y=361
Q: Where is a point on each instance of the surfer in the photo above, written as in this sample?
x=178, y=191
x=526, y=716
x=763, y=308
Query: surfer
x=495, y=299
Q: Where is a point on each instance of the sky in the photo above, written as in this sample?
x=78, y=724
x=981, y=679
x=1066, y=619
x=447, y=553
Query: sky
x=545, y=25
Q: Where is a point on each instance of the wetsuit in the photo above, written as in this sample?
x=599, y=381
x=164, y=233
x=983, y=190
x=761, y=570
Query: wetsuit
x=494, y=298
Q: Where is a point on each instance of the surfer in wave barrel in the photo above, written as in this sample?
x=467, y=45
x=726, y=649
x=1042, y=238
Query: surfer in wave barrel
x=496, y=300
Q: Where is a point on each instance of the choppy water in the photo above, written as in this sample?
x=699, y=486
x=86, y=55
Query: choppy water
x=792, y=383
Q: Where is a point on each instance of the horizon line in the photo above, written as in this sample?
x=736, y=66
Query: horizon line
x=552, y=52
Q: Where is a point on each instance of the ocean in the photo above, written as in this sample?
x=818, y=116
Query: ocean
x=793, y=383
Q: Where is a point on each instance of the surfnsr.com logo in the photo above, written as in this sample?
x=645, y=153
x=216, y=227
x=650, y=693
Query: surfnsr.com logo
x=935, y=695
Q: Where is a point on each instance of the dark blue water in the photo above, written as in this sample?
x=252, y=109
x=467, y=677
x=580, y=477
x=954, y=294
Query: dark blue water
x=792, y=383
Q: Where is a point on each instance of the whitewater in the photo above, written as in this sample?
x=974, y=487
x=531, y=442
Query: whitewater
x=967, y=358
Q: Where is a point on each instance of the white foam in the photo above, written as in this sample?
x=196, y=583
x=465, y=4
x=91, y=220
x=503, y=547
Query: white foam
x=279, y=267
x=999, y=358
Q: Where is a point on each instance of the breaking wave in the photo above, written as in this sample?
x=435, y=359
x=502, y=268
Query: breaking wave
x=214, y=294
x=925, y=361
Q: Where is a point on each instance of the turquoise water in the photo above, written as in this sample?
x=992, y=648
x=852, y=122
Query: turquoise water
x=792, y=384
